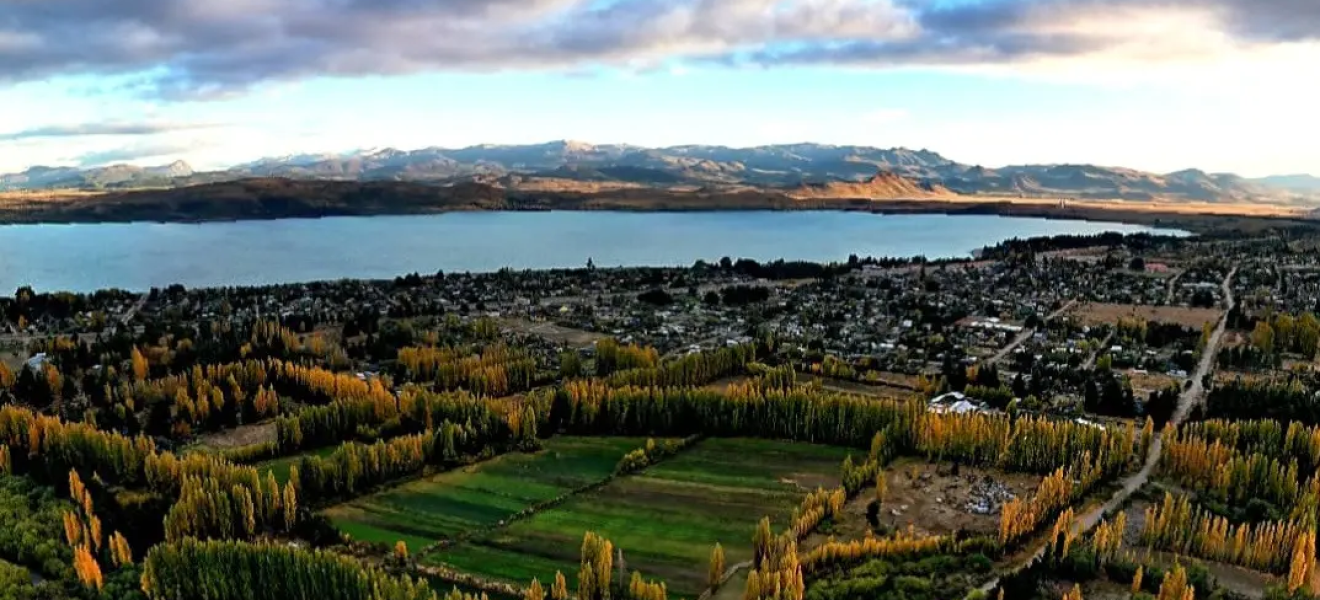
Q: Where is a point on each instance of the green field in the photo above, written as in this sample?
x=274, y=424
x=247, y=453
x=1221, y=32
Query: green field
x=422, y=512
x=666, y=519
x=280, y=466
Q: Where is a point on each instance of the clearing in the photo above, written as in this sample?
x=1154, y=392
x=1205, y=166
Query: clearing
x=1145, y=383
x=243, y=435
x=280, y=466
x=576, y=338
x=878, y=389
x=931, y=499
x=665, y=519
x=1193, y=318
x=425, y=511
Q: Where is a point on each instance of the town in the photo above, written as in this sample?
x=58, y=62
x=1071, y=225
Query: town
x=1113, y=415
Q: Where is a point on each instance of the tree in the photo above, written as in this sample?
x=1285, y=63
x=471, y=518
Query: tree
x=140, y=365
x=534, y=591
x=1263, y=337
x=716, y=576
x=570, y=364
x=290, y=504
x=559, y=591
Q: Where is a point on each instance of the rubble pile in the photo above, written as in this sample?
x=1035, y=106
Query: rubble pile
x=987, y=496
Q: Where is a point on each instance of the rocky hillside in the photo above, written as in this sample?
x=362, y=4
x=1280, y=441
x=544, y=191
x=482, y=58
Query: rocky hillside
x=113, y=176
x=884, y=185
x=785, y=166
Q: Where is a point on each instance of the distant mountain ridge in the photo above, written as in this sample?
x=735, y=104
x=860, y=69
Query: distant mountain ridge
x=111, y=176
x=1296, y=183
x=803, y=167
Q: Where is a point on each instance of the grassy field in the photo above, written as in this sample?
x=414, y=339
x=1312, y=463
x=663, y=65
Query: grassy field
x=666, y=519
x=422, y=512
x=280, y=466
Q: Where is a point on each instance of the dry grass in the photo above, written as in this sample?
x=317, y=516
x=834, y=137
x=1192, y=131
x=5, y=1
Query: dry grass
x=244, y=435
x=1145, y=383
x=1195, y=318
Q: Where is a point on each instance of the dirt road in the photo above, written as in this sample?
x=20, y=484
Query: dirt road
x=1193, y=395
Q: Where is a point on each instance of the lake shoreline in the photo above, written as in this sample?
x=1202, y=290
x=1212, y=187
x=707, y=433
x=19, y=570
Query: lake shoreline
x=1071, y=211
x=141, y=255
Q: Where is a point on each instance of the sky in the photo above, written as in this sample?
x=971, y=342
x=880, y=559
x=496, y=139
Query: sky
x=1158, y=85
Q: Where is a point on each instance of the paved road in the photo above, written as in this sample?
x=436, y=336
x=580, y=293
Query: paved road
x=1026, y=334
x=1190, y=397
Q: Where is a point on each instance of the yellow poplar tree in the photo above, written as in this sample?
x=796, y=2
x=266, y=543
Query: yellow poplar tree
x=716, y=566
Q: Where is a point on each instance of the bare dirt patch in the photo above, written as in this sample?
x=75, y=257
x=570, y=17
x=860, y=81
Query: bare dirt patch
x=1195, y=318
x=554, y=333
x=243, y=435
x=932, y=499
x=1145, y=383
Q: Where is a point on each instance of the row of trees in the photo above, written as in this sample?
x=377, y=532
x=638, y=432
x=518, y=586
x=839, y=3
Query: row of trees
x=1030, y=444
x=383, y=415
x=227, y=570
x=907, y=543
x=695, y=369
x=1290, y=400
x=1277, y=547
x=206, y=509
x=1219, y=472
x=210, y=507
x=1056, y=492
x=1024, y=444
x=496, y=371
x=1291, y=441
x=612, y=356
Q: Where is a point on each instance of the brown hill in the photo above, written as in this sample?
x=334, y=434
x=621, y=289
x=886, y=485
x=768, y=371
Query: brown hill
x=883, y=186
x=259, y=198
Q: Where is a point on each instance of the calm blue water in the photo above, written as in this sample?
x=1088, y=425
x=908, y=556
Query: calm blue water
x=137, y=256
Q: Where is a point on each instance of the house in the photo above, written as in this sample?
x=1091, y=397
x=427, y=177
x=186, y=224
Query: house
x=38, y=362
x=954, y=402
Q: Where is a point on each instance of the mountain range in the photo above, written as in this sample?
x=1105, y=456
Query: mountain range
x=803, y=170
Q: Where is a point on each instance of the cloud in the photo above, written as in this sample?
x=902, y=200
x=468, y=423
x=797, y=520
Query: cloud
x=134, y=152
x=204, y=49
x=104, y=128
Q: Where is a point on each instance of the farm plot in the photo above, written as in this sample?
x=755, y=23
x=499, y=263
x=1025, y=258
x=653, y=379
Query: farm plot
x=422, y=512
x=665, y=519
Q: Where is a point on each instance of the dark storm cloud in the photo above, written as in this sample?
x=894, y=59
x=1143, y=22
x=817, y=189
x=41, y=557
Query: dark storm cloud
x=210, y=49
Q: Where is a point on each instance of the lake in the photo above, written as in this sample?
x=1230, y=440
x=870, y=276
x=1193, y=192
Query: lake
x=138, y=256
